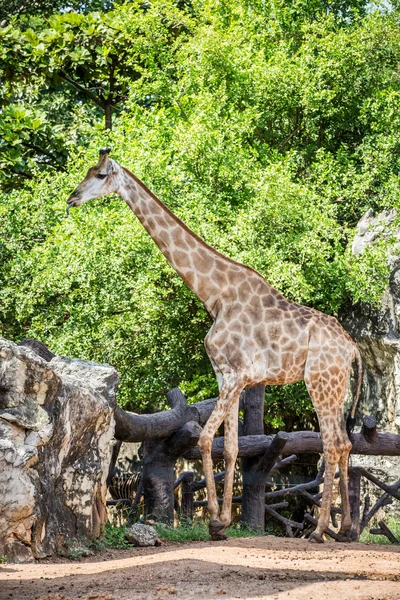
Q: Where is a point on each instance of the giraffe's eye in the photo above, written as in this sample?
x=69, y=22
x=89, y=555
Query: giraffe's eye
x=101, y=175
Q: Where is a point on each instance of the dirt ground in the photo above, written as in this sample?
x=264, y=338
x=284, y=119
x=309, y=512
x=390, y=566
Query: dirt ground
x=261, y=567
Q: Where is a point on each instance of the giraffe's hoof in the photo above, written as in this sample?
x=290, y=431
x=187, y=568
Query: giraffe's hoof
x=344, y=537
x=315, y=538
x=217, y=531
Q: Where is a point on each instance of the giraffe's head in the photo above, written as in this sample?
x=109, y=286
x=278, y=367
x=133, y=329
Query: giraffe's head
x=100, y=180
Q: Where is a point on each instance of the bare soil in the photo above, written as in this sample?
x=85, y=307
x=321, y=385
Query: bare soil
x=261, y=567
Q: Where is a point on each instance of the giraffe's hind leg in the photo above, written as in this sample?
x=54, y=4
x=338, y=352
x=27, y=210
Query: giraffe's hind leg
x=327, y=391
x=345, y=525
x=331, y=457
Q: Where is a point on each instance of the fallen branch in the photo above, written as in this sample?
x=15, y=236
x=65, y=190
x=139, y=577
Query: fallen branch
x=368, y=514
x=384, y=530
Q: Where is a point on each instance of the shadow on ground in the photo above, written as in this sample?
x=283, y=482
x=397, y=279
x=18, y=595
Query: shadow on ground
x=264, y=567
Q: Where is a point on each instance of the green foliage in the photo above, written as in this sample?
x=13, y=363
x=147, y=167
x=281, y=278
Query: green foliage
x=289, y=408
x=114, y=537
x=24, y=10
x=84, y=65
x=3, y=559
x=268, y=127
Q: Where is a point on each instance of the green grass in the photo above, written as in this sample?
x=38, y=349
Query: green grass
x=113, y=537
x=368, y=538
x=197, y=532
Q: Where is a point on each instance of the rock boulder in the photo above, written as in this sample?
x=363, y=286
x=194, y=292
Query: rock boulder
x=141, y=535
x=56, y=431
x=377, y=331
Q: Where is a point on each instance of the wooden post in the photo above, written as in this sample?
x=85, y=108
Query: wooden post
x=187, y=497
x=114, y=458
x=354, y=496
x=368, y=429
x=159, y=471
x=253, y=496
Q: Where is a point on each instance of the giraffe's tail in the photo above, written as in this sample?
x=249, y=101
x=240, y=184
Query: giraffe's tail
x=351, y=421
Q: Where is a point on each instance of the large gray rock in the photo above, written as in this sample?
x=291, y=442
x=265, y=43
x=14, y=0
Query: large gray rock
x=377, y=330
x=377, y=333
x=56, y=431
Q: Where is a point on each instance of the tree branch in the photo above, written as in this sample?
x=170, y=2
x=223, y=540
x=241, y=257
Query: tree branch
x=82, y=89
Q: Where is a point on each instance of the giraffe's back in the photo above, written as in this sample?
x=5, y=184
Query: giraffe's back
x=260, y=332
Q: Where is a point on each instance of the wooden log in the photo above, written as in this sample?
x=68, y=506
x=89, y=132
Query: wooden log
x=305, y=442
x=269, y=458
x=296, y=489
x=393, y=489
x=38, y=347
x=114, y=458
x=180, y=479
x=187, y=497
x=253, y=513
x=284, y=462
x=368, y=429
x=254, y=482
x=130, y=427
x=278, y=505
x=288, y=522
x=186, y=437
x=384, y=530
x=159, y=470
x=197, y=503
x=121, y=501
x=366, y=509
x=314, y=500
x=384, y=500
x=354, y=498
x=218, y=477
x=201, y=484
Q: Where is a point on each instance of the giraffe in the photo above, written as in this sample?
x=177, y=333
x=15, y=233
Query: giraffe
x=257, y=337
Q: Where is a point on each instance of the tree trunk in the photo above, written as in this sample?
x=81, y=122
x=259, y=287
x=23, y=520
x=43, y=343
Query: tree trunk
x=253, y=497
x=159, y=471
x=108, y=116
x=354, y=497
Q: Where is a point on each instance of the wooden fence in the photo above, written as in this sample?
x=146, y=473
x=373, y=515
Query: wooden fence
x=174, y=433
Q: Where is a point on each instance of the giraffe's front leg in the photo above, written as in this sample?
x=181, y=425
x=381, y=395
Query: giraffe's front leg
x=227, y=396
x=205, y=445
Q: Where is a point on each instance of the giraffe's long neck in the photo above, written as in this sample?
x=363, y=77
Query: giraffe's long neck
x=202, y=268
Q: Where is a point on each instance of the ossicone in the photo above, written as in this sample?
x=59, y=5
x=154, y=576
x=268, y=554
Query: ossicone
x=104, y=151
